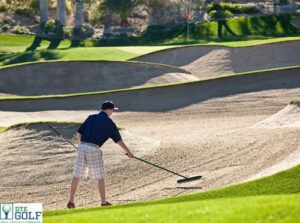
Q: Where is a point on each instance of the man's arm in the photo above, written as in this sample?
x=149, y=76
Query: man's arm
x=122, y=144
x=78, y=137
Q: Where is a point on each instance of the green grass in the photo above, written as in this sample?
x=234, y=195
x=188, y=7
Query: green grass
x=8, y=98
x=256, y=42
x=295, y=102
x=12, y=49
x=271, y=199
x=2, y=129
x=89, y=53
x=276, y=208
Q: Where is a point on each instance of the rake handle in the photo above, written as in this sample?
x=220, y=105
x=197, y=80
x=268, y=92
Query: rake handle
x=160, y=167
x=59, y=134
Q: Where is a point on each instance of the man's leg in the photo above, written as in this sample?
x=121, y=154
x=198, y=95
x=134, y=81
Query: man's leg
x=102, y=190
x=74, y=185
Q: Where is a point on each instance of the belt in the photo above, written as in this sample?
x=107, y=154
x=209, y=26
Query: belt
x=90, y=144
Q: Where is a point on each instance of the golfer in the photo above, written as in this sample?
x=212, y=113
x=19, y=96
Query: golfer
x=91, y=135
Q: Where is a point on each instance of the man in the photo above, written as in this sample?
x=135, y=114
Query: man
x=91, y=135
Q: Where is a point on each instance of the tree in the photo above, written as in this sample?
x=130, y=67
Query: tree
x=43, y=11
x=79, y=19
x=122, y=7
x=61, y=12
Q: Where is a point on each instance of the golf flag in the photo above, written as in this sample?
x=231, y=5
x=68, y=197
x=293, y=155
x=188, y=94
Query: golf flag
x=187, y=15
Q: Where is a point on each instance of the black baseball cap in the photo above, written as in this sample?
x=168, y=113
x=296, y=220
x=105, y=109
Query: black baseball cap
x=109, y=105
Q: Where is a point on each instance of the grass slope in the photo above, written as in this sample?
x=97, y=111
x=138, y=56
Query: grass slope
x=295, y=102
x=277, y=208
x=2, y=129
x=271, y=199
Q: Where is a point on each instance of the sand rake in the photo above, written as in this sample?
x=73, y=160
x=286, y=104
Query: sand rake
x=183, y=180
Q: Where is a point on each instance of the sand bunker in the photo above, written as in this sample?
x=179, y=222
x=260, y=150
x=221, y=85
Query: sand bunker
x=166, y=98
x=289, y=117
x=208, y=61
x=76, y=77
x=214, y=138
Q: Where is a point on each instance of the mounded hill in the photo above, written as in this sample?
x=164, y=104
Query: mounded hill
x=163, y=98
x=211, y=61
x=82, y=76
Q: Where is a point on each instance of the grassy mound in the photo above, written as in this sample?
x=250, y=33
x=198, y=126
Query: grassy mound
x=271, y=199
x=295, y=102
x=2, y=129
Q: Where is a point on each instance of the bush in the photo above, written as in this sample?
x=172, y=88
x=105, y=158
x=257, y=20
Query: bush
x=67, y=32
x=236, y=8
x=220, y=14
x=28, y=12
x=3, y=7
x=5, y=27
x=21, y=30
x=6, y=20
x=86, y=31
x=53, y=28
x=96, y=17
x=284, y=2
x=49, y=27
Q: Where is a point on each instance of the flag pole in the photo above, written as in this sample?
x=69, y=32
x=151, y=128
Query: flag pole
x=188, y=33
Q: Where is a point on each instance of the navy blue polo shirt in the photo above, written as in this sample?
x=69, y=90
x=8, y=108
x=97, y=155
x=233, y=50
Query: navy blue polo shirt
x=98, y=128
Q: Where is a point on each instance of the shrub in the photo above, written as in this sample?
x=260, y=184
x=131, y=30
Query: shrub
x=3, y=7
x=28, y=12
x=6, y=20
x=96, y=17
x=236, y=8
x=49, y=27
x=283, y=2
x=5, y=27
x=21, y=30
x=67, y=32
x=220, y=14
x=86, y=31
x=53, y=28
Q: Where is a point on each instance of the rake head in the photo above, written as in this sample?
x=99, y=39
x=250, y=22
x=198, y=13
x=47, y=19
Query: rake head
x=189, y=179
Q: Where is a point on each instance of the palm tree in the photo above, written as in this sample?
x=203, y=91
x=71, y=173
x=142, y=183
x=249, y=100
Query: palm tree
x=79, y=19
x=61, y=12
x=43, y=11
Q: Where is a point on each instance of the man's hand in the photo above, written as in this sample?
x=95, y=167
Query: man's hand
x=129, y=154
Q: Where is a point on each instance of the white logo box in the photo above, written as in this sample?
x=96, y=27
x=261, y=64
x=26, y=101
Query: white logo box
x=21, y=212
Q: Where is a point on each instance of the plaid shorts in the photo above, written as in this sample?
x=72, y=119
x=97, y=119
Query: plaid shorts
x=89, y=162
